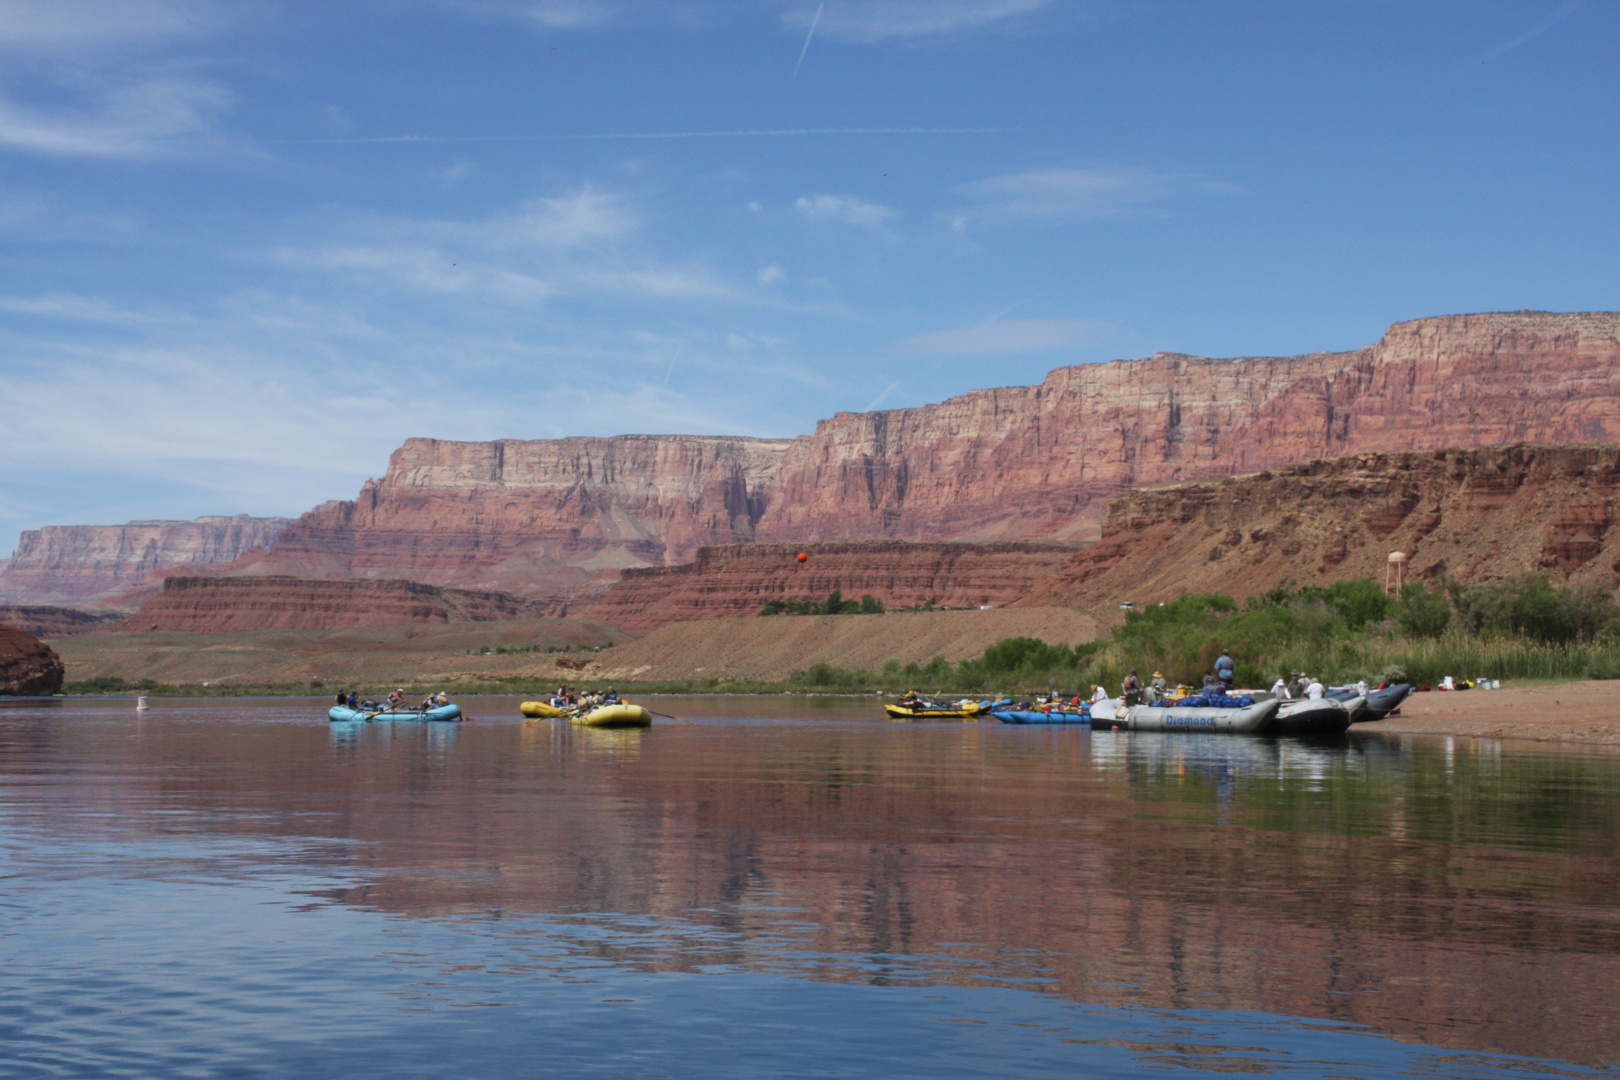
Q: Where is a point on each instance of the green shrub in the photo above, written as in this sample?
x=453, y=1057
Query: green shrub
x=1529, y=605
x=1421, y=612
x=1359, y=601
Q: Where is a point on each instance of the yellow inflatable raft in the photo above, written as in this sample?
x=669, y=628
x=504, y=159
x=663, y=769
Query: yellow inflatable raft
x=621, y=715
x=543, y=709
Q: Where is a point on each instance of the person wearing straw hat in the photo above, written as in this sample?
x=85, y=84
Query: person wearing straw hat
x=1158, y=688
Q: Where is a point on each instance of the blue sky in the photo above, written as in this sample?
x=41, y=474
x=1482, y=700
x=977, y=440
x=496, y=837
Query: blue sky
x=248, y=248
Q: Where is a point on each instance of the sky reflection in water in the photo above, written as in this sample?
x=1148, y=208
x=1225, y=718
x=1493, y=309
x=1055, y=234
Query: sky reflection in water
x=790, y=888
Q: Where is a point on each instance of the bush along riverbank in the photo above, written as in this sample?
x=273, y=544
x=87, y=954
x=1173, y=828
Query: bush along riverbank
x=1521, y=628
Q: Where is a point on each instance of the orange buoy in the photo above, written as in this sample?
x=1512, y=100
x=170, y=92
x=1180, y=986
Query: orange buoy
x=804, y=556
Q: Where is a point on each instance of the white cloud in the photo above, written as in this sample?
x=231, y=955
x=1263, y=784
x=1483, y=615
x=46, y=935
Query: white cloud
x=570, y=14
x=769, y=275
x=846, y=209
x=138, y=121
x=1078, y=195
x=72, y=308
x=580, y=219
x=56, y=25
x=867, y=21
x=1007, y=338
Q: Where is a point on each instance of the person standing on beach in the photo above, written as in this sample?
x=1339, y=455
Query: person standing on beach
x=1225, y=669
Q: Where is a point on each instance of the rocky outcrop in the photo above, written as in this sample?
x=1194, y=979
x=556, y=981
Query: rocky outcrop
x=1030, y=462
x=69, y=563
x=1472, y=514
x=739, y=579
x=54, y=621
x=213, y=605
x=28, y=667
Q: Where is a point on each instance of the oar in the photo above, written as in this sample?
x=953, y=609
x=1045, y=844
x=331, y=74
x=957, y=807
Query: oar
x=666, y=716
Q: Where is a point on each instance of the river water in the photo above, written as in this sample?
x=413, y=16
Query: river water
x=791, y=887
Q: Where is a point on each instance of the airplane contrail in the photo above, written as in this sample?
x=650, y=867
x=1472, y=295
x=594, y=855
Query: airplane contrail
x=807, y=38
x=741, y=134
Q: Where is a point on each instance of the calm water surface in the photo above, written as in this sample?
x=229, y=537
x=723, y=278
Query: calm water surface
x=791, y=888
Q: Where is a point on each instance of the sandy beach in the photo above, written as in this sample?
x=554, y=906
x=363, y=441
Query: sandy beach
x=1571, y=712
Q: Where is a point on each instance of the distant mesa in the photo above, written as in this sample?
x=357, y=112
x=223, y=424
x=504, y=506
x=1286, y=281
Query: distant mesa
x=28, y=667
x=75, y=564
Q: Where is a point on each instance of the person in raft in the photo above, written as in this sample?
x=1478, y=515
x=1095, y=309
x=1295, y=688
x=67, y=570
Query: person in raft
x=1279, y=690
x=397, y=697
x=1098, y=694
x=1225, y=669
x=1131, y=689
x=1158, y=688
x=1315, y=690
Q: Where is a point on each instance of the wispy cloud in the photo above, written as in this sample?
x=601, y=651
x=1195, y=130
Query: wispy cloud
x=867, y=21
x=1552, y=19
x=1073, y=195
x=59, y=25
x=571, y=14
x=579, y=219
x=140, y=121
x=71, y=308
x=845, y=209
x=1008, y=338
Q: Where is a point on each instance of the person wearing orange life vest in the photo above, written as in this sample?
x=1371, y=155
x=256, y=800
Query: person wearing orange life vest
x=1131, y=689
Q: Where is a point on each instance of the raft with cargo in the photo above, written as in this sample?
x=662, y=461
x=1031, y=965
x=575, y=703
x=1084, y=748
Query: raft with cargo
x=342, y=713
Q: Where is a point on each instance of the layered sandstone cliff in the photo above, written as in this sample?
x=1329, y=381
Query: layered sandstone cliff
x=1472, y=514
x=741, y=578
x=214, y=605
x=52, y=622
x=28, y=667
x=74, y=563
x=1033, y=462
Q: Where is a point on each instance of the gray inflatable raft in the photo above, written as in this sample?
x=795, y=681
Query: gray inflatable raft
x=1250, y=720
x=1323, y=716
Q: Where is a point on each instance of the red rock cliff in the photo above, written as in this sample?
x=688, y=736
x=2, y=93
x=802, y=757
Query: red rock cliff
x=68, y=563
x=1045, y=461
x=1038, y=462
x=534, y=517
x=1473, y=514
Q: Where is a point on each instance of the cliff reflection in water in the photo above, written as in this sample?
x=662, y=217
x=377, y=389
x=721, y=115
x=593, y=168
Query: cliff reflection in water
x=1453, y=893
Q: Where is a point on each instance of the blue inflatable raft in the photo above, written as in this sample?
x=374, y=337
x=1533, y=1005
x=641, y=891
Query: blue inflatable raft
x=338, y=713
x=1042, y=716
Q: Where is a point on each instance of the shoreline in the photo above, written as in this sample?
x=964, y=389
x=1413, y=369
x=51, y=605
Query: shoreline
x=1577, y=713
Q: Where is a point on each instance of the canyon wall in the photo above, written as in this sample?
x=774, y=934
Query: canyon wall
x=1473, y=514
x=64, y=564
x=1033, y=462
x=536, y=518
x=739, y=579
x=216, y=605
